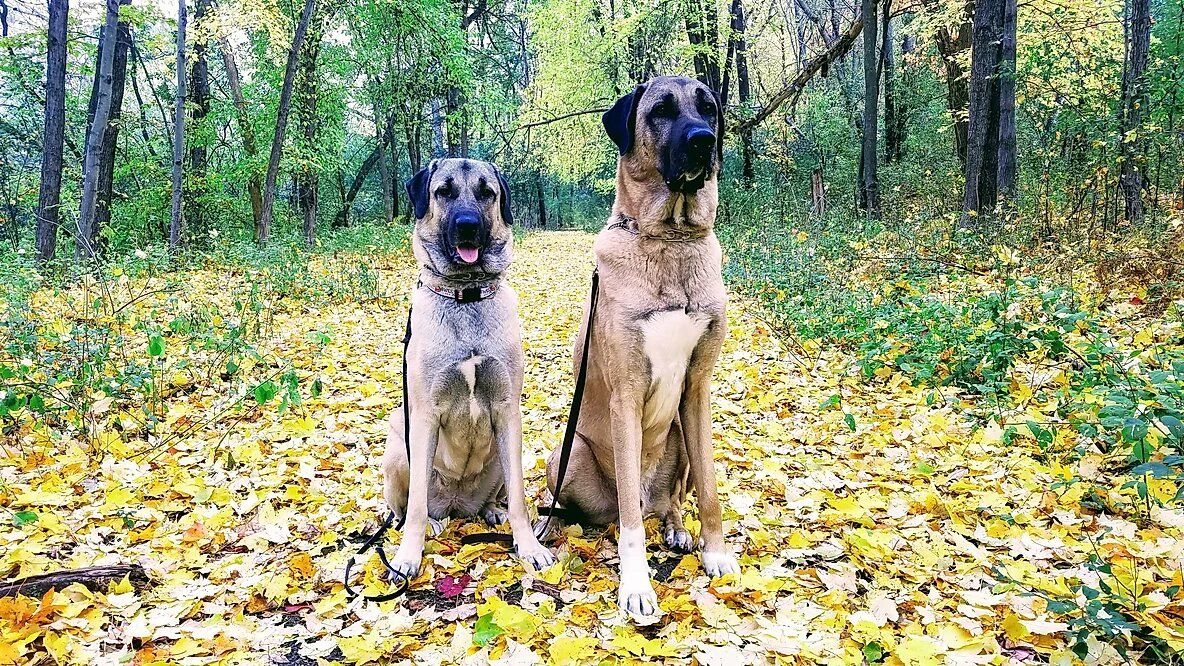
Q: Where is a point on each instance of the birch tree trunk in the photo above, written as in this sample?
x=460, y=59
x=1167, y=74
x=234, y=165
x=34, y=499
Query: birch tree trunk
x=49, y=196
x=94, y=139
x=178, y=132
x=281, y=123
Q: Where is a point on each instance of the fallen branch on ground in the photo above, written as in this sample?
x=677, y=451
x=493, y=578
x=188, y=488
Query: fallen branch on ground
x=95, y=579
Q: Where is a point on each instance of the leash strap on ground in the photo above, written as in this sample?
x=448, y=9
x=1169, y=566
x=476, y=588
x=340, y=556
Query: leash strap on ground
x=573, y=416
x=487, y=537
x=375, y=540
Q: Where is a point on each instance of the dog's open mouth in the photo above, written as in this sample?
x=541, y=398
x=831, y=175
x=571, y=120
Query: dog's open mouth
x=468, y=253
x=687, y=183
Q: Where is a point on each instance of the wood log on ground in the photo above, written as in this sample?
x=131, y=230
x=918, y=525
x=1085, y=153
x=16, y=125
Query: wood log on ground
x=95, y=579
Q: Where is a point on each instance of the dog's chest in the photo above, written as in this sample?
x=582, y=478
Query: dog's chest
x=669, y=338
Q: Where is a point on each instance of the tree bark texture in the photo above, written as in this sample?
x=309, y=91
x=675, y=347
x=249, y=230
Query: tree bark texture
x=94, y=139
x=869, y=187
x=990, y=148
x=1137, y=30
x=246, y=131
x=281, y=122
x=175, y=220
x=111, y=138
x=49, y=196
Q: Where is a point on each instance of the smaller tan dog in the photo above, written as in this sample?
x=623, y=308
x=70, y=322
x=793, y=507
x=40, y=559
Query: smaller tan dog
x=464, y=366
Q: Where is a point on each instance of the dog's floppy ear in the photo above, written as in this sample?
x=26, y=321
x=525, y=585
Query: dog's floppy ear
x=719, y=129
x=504, y=199
x=417, y=190
x=620, y=122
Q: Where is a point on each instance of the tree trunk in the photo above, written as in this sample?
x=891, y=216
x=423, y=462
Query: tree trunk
x=542, y=201
x=49, y=196
x=892, y=138
x=254, y=189
x=1137, y=29
x=94, y=140
x=439, y=148
x=111, y=138
x=703, y=35
x=178, y=134
x=990, y=149
x=199, y=103
x=383, y=133
x=414, y=156
x=1005, y=176
x=368, y=164
x=281, y=122
x=817, y=192
x=307, y=96
x=957, y=84
x=869, y=187
x=743, y=86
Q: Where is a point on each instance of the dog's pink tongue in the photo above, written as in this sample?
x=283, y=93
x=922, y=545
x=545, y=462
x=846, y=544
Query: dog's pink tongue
x=467, y=254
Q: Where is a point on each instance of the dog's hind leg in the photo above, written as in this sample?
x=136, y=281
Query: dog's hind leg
x=668, y=492
x=585, y=490
x=494, y=511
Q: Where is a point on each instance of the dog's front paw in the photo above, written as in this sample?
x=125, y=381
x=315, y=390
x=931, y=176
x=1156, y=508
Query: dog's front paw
x=720, y=563
x=637, y=597
x=536, y=554
x=407, y=561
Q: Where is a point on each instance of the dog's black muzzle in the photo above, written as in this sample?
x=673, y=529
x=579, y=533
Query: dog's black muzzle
x=689, y=157
x=467, y=236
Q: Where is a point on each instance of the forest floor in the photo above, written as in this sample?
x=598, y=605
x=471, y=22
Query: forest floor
x=878, y=527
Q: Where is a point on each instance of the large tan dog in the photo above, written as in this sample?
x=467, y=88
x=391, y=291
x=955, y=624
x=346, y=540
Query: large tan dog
x=464, y=366
x=645, y=425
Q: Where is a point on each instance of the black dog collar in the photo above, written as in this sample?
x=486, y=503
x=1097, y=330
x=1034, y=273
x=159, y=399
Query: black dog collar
x=470, y=294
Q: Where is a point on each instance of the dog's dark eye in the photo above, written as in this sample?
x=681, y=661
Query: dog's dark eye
x=708, y=109
x=485, y=192
x=665, y=109
x=444, y=191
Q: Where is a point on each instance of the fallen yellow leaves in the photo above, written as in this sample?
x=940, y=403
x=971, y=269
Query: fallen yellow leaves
x=913, y=537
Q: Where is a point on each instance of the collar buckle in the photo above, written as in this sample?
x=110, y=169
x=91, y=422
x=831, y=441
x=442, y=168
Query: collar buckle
x=469, y=294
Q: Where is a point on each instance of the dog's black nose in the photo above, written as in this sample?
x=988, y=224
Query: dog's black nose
x=700, y=140
x=468, y=226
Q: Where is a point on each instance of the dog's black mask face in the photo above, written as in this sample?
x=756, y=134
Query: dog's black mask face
x=463, y=214
x=679, y=121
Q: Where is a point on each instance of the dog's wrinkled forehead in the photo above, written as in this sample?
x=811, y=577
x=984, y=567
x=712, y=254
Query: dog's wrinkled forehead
x=674, y=94
x=468, y=177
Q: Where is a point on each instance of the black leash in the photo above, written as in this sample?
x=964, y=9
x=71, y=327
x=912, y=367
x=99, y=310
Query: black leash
x=375, y=540
x=573, y=415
